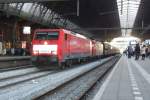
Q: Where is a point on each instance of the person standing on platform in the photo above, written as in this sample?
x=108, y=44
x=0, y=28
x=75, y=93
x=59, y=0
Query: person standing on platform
x=148, y=51
x=143, y=52
x=130, y=51
x=12, y=51
x=137, y=51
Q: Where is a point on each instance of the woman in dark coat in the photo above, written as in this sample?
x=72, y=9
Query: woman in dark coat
x=137, y=51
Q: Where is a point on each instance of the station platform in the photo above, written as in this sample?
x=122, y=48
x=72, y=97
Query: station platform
x=3, y=58
x=129, y=80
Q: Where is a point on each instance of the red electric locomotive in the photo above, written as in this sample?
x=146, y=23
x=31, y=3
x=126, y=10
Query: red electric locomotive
x=59, y=45
x=62, y=47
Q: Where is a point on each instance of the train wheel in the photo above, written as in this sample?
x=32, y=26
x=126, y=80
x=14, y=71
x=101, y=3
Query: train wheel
x=84, y=59
x=79, y=61
x=35, y=63
x=61, y=65
x=69, y=63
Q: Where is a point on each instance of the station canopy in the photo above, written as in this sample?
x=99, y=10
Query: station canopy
x=75, y=14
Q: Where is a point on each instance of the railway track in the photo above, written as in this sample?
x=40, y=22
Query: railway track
x=21, y=74
x=32, y=83
x=77, y=88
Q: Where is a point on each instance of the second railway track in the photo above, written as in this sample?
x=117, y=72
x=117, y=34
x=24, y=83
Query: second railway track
x=38, y=84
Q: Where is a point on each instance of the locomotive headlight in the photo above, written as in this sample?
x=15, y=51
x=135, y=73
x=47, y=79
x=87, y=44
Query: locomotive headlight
x=45, y=43
x=35, y=52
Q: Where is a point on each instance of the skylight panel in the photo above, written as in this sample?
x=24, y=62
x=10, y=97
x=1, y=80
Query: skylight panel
x=127, y=12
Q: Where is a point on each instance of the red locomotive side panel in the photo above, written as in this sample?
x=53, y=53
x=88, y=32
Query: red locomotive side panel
x=77, y=46
x=93, y=48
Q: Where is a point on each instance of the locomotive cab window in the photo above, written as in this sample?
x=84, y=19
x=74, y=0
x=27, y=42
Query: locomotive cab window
x=46, y=35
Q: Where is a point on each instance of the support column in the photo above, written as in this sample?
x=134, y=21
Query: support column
x=14, y=35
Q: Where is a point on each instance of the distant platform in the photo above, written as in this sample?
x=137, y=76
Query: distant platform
x=129, y=80
x=3, y=58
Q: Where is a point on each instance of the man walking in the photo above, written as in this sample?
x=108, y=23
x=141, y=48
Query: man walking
x=137, y=51
x=130, y=51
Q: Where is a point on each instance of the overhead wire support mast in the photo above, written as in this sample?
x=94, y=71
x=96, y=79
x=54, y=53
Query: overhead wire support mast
x=27, y=1
x=78, y=7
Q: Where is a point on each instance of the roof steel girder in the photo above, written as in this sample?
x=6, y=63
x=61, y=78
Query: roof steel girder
x=17, y=8
x=20, y=7
x=53, y=18
x=26, y=1
x=43, y=13
x=34, y=10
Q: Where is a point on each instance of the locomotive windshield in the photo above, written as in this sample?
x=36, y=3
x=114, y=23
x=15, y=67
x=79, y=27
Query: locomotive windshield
x=46, y=35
